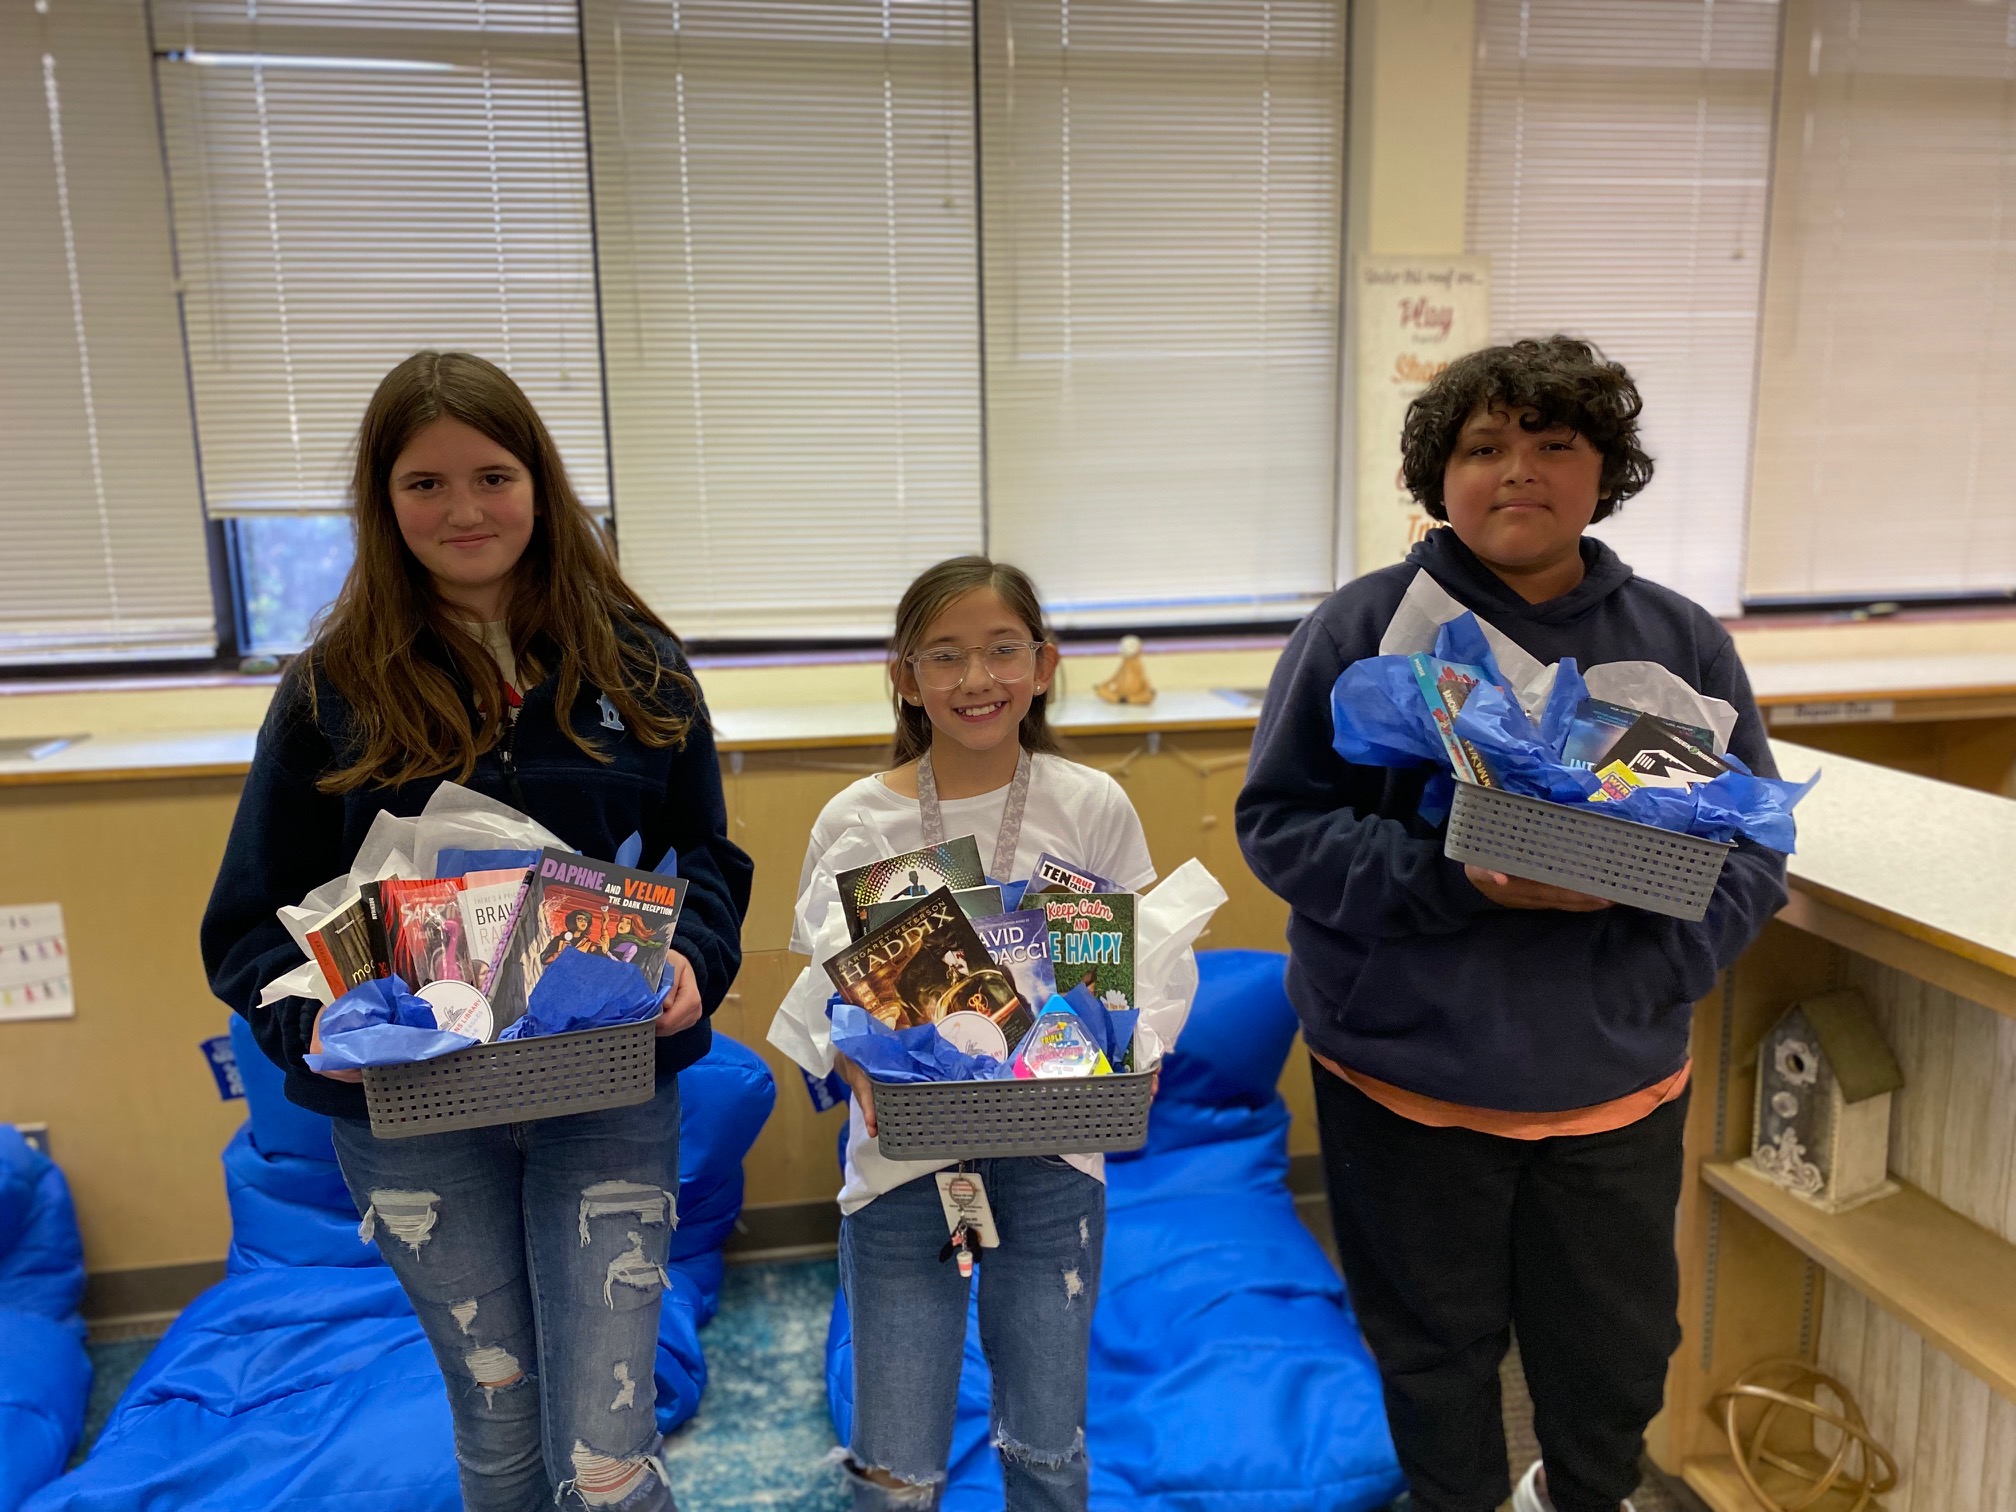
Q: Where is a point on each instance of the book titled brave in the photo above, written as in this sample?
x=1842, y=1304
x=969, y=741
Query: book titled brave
x=575, y=902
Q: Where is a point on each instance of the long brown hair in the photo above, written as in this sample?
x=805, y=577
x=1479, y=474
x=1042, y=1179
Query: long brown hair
x=935, y=591
x=569, y=611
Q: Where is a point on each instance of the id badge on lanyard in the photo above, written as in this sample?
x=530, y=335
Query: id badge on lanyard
x=1010, y=838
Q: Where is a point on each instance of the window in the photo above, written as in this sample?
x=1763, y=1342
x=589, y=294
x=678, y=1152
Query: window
x=352, y=184
x=1889, y=353
x=820, y=377
x=286, y=569
x=105, y=554
x=1161, y=190
x=785, y=208
x=1619, y=174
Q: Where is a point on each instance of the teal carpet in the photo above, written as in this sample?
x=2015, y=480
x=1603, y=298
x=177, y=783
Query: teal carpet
x=761, y=1437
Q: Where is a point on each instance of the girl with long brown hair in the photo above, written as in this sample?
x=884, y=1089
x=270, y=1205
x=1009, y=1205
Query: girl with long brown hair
x=972, y=669
x=485, y=635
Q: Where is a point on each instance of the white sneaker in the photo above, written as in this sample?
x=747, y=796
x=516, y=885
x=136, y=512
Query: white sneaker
x=1530, y=1496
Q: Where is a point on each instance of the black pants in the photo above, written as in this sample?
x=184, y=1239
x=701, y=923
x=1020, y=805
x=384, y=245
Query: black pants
x=1450, y=1239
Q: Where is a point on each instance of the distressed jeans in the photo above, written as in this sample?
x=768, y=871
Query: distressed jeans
x=908, y=1311
x=534, y=1256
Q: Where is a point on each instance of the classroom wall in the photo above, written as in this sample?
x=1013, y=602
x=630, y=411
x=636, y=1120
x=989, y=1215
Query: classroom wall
x=134, y=1116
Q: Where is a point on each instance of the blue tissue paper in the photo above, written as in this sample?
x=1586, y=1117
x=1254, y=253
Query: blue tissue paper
x=906, y=1055
x=381, y=1023
x=582, y=990
x=1379, y=718
x=457, y=861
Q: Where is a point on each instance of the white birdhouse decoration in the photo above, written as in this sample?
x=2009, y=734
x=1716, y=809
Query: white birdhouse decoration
x=1824, y=1079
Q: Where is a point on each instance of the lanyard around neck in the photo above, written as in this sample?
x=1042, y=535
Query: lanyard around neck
x=1010, y=838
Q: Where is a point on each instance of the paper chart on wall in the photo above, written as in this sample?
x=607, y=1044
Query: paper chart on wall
x=1415, y=315
x=34, y=962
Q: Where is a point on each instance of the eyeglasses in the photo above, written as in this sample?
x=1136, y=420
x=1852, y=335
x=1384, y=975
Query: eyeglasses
x=1006, y=661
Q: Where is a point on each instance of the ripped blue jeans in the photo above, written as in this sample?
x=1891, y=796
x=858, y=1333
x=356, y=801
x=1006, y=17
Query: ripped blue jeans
x=908, y=1311
x=534, y=1256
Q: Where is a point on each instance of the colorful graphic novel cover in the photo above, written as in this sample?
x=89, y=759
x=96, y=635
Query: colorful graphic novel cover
x=1019, y=942
x=974, y=902
x=1055, y=874
x=923, y=964
x=425, y=940
x=912, y=875
x=572, y=902
x=342, y=944
x=1445, y=686
x=1092, y=944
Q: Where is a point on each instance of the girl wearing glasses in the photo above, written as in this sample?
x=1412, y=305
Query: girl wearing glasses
x=972, y=669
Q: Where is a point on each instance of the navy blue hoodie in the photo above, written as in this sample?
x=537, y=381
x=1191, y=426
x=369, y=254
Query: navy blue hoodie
x=1399, y=967
x=289, y=838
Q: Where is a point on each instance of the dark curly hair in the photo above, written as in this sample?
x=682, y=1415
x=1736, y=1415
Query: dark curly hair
x=1562, y=381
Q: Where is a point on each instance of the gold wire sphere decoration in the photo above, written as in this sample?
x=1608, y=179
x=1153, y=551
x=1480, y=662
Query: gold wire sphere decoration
x=1793, y=1386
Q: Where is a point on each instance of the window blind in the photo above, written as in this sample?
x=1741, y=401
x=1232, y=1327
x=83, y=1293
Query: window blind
x=355, y=183
x=785, y=210
x=1162, y=192
x=1889, y=353
x=1619, y=169
x=105, y=555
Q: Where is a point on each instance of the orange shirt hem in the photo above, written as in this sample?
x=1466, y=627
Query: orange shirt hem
x=1600, y=1118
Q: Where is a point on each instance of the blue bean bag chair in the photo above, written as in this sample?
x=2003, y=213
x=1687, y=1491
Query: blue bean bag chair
x=302, y=1380
x=1227, y=1371
x=45, y=1375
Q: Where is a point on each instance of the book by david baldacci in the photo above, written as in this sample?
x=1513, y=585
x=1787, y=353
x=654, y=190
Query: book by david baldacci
x=974, y=902
x=572, y=902
x=1092, y=943
x=1019, y=942
x=916, y=968
x=912, y=875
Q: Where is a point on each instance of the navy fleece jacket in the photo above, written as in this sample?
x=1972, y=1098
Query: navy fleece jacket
x=1401, y=969
x=288, y=838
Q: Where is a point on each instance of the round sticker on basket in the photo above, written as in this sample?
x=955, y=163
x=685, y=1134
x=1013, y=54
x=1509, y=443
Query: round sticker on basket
x=974, y=1033
x=459, y=1008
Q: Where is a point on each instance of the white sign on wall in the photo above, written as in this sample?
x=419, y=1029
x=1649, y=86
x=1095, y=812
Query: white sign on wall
x=1414, y=316
x=34, y=962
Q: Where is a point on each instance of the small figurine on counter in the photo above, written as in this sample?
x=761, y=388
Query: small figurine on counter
x=1129, y=684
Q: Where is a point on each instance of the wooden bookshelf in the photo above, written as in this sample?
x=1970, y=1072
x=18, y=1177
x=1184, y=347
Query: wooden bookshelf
x=1714, y=1478
x=1951, y=1280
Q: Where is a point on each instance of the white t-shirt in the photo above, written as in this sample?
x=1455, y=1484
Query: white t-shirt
x=1074, y=812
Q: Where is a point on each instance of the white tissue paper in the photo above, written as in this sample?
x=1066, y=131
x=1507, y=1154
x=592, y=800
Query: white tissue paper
x=800, y=1028
x=456, y=816
x=1427, y=606
x=397, y=846
x=1167, y=921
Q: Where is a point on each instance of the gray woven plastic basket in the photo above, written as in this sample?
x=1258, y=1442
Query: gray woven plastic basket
x=515, y=1081
x=1584, y=849
x=981, y=1120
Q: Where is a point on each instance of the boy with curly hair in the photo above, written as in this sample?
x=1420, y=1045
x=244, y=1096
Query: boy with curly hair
x=1501, y=1065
